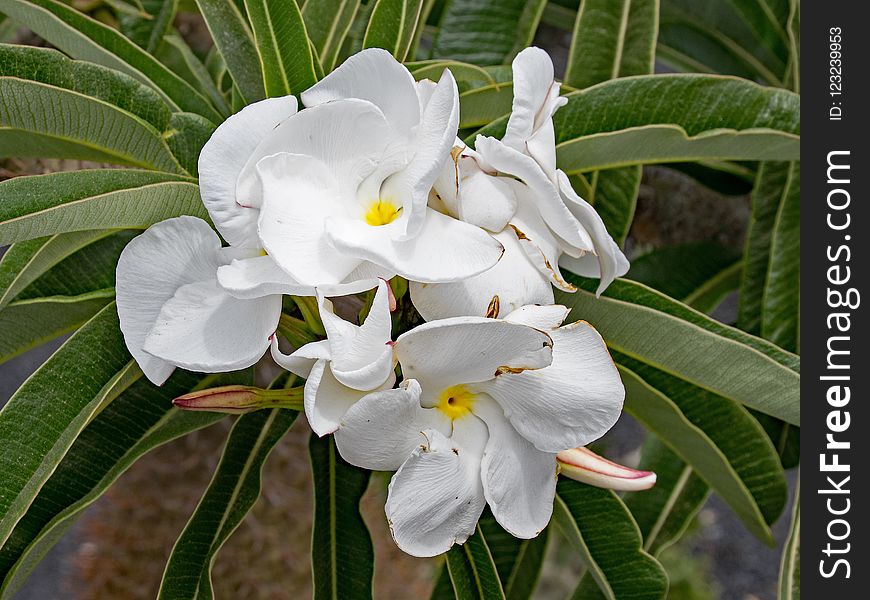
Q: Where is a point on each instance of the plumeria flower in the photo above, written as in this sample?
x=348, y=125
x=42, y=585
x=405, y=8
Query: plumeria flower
x=173, y=312
x=512, y=187
x=337, y=194
x=483, y=410
x=582, y=464
x=351, y=362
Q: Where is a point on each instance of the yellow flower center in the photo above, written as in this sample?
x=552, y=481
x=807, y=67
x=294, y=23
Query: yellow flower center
x=382, y=212
x=456, y=402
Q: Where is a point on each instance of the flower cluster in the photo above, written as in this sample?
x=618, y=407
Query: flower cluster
x=368, y=183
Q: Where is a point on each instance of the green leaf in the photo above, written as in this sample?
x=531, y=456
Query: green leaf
x=672, y=118
x=148, y=30
x=769, y=300
x=86, y=39
x=790, y=567
x=718, y=438
x=610, y=40
x=25, y=324
x=48, y=412
x=342, y=555
x=392, y=26
x=599, y=526
x=482, y=105
x=139, y=420
x=699, y=274
x=713, y=37
x=472, y=570
x=667, y=335
x=327, y=23
x=43, y=205
x=784, y=437
x=24, y=262
x=282, y=43
x=90, y=269
x=518, y=562
x=234, y=40
x=664, y=512
x=177, y=55
x=113, y=87
x=62, y=297
x=98, y=131
x=233, y=490
x=186, y=135
x=793, y=23
x=486, y=32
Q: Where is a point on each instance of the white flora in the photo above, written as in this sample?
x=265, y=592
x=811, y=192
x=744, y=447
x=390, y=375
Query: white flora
x=172, y=311
x=337, y=193
x=364, y=184
x=511, y=187
x=483, y=409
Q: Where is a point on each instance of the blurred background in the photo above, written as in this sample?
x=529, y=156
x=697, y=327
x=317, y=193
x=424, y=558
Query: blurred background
x=119, y=547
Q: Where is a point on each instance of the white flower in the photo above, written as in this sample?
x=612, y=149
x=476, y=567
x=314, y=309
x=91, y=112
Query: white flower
x=512, y=188
x=351, y=362
x=172, y=311
x=337, y=193
x=484, y=407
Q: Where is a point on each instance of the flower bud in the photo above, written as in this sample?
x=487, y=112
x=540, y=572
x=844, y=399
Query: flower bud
x=238, y=399
x=581, y=464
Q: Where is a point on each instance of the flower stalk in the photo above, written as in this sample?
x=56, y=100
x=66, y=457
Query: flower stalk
x=240, y=399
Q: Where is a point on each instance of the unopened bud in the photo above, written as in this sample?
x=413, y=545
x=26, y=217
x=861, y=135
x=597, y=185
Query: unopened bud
x=581, y=464
x=238, y=399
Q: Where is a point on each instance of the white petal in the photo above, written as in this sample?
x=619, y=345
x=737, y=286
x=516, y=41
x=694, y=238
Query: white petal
x=611, y=261
x=461, y=350
x=300, y=193
x=362, y=356
x=257, y=277
x=436, y=497
x=349, y=137
x=534, y=98
x=152, y=267
x=572, y=402
x=202, y=328
x=382, y=430
x=514, y=280
x=326, y=400
x=444, y=250
x=425, y=88
x=519, y=481
x=302, y=360
x=541, y=246
x=544, y=317
x=486, y=200
x=222, y=159
x=434, y=139
x=376, y=76
x=545, y=192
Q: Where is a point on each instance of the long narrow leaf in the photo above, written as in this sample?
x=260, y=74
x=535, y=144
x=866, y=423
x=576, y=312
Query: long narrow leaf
x=139, y=420
x=718, y=438
x=282, y=43
x=392, y=26
x=327, y=23
x=87, y=39
x=600, y=527
x=233, y=490
x=43, y=205
x=44, y=417
x=234, y=40
x=472, y=570
x=342, y=555
x=650, y=327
